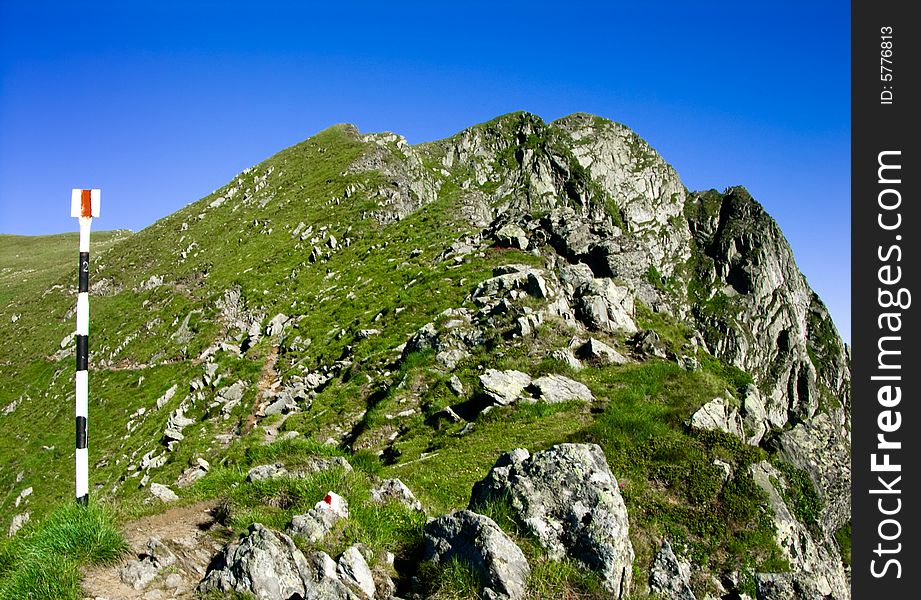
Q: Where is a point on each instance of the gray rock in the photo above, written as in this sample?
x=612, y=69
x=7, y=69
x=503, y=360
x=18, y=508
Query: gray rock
x=138, y=573
x=603, y=305
x=648, y=343
x=566, y=356
x=391, y=490
x=670, y=577
x=815, y=565
x=556, y=388
x=718, y=414
x=455, y=385
x=477, y=541
x=276, y=326
x=598, y=352
x=162, y=493
x=18, y=522
x=270, y=566
x=312, y=526
x=354, y=571
x=512, y=236
x=569, y=500
x=754, y=415
x=504, y=387
x=822, y=448
x=263, y=472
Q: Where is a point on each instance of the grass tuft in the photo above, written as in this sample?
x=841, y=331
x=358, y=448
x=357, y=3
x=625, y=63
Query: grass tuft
x=43, y=561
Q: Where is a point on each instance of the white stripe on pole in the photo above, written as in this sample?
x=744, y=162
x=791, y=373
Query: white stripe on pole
x=82, y=466
x=83, y=314
x=82, y=403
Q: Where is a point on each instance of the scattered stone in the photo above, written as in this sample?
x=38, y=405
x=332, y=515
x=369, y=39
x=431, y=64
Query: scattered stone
x=455, y=385
x=556, y=388
x=504, y=387
x=354, y=571
x=138, y=573
x=598, y=352
x=648, y=343
x=670, y=577
x=477, y=541
x=395, y=490
x=566, y=356
x=263, y=472
x=163, y=493
x=276, y=326
x=167, y=396
x=568, y=499
x=23, y=495
x=18, y=522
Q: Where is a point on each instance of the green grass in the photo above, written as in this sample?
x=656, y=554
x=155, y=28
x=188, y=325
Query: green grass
x=43, y=560
x=666, y=471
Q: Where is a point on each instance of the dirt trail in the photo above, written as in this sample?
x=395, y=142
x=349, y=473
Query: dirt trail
x=190, y=532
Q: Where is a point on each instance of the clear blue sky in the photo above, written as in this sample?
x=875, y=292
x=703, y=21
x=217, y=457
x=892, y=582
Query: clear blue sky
x=160, y=105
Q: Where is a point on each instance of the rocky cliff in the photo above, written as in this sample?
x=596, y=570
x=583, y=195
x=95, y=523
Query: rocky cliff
x=418, y=310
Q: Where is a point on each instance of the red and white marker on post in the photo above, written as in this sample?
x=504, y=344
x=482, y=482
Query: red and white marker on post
x=84, y=205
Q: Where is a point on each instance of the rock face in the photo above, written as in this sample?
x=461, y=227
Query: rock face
x=569, y=500
x=815, y=566
x=480, y=543
x=758, y=312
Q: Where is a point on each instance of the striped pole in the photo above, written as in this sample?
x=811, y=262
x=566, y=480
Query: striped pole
x=84, y=204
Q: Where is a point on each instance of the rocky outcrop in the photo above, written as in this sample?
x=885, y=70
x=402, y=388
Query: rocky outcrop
x=815, y=565
x=755, y=308
x=270, y=566
x=477, y=541
x=567, y=498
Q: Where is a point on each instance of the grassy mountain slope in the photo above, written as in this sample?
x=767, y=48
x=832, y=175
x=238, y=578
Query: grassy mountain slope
x=359, y=241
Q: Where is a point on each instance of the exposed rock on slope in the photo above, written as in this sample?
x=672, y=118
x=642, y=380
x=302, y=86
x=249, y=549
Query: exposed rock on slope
x=568, y=499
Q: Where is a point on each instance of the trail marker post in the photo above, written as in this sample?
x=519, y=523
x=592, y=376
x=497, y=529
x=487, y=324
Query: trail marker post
x=84, y=205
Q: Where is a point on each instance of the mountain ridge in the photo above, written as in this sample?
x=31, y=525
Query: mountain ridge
x=305, y=279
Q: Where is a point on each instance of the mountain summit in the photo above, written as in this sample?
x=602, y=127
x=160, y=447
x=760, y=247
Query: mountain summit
x=597, y=381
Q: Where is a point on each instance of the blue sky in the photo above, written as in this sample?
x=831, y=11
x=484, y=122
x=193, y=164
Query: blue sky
x=162, y=103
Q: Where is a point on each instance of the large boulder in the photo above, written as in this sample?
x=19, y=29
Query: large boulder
x=477, y=541
x=269, y=566
x=569, y=500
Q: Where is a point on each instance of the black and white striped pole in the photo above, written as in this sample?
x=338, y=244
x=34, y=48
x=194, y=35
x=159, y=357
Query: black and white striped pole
x=84, y=205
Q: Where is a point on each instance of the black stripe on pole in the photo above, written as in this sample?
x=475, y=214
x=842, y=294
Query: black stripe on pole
x=84, y=270
x=81, y=432
x=82, y=352
x=83, y=500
